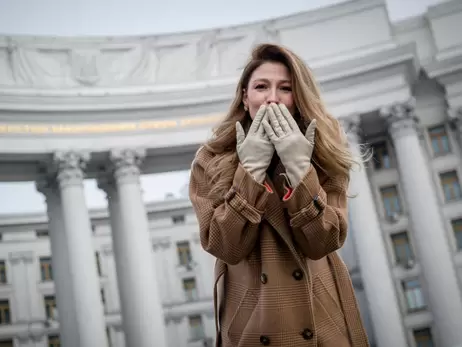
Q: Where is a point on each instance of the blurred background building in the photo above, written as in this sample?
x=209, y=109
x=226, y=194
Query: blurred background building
x=113, y=109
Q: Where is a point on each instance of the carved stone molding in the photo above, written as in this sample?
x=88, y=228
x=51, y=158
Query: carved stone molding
x=126, y=164
x=70, y=167
x=401, y=118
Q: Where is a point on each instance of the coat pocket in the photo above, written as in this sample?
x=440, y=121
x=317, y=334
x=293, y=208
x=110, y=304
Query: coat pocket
x=242, y=317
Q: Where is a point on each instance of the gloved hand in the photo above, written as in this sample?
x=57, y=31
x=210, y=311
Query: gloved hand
x=255, y=150
x=294, y=149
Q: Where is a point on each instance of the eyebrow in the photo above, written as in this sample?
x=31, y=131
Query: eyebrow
x=268, y=81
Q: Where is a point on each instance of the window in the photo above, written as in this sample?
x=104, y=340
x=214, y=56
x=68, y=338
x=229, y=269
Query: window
x=46, y=269
x=451, y=186
x=390, y=201
x=42, y=233
x=414, y=297
x=402, y=248
x=423, y=338
x=457, y=228
x=3, y=278
x=381, y=158
x=98, y=264
x=180, y=219
x=103, y=298
x=196, y=328
x=6, y=343
x=5, y=312
x=439, y=140
x=50, y=306
x=53, y=341
x=184, y=252
x=190, y=290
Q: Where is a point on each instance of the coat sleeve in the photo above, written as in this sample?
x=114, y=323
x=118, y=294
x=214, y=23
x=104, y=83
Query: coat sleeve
x=228, y=226
x=318, y=214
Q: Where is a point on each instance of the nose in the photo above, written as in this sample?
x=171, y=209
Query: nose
x=272, y=96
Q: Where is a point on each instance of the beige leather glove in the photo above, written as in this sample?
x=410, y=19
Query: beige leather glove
x=255, y=150
x=294, y=149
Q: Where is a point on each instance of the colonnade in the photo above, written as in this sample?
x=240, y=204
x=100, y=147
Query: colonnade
x=444, y=295
x=82, y=321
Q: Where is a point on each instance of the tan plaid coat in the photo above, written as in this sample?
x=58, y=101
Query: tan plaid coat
x=277, y=270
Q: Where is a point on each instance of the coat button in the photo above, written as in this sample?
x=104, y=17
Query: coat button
x=264, y=340
x=297, y=274
x=263, y=278
x=307, y=334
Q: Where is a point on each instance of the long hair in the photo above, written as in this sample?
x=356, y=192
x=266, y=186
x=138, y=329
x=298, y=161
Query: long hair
x=331, y=153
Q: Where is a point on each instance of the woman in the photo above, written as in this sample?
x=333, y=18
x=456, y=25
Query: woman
x=269, y=192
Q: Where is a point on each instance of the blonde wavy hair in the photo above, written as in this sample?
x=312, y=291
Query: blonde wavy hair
x=331, y=153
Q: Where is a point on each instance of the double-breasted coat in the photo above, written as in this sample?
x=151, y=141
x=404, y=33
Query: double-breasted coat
x=278, y=279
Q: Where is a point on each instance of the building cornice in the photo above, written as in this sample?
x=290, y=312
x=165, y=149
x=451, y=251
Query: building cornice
x=164, y=207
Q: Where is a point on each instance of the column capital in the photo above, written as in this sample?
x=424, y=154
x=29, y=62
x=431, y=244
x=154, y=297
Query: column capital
x=70, y=166
x=126, y=163
x=400, y=118
x=352, y=126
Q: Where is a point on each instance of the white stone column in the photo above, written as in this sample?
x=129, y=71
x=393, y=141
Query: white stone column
x=372, y=256
x=427, y=224
x=64, y=294
x=141, y=307
x=83, y=275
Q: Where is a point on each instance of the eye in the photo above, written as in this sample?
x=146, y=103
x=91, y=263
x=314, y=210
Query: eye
x=286, y=88
x=260, y=86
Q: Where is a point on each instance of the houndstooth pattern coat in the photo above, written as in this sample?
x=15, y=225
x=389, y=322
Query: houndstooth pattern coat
x=278, y=279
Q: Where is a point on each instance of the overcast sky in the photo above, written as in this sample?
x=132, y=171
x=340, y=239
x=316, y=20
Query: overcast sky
x=136, y=17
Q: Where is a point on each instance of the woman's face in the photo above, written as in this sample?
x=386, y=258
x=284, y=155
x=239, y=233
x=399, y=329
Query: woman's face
x=269, y=83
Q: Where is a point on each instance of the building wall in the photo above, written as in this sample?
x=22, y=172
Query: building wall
x=23, y=246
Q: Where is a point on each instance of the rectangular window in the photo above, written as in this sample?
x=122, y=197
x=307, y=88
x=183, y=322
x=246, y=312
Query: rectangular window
x=46, y=269
x=414, y=297
x=42, y=233
x=53, y=341
x=190, y=289
x=3, y=278
x=196, y=328
x=184, y=252
x=457, y=228
x=402, y=248
x=451, y=186
x=6, y=343
x=5, y=312
x=179, y=219
x=50, y=306
x=381, y=156
x=439, y=140
x=391, y=201
x=423, y=338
